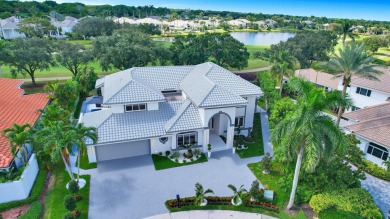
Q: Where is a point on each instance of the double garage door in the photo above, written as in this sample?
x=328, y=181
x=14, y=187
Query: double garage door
x=122, y=150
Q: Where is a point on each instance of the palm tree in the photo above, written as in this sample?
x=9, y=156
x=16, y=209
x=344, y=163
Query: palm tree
x=200, y=193
x=57, y=140
x=238, y=194
x=54, y=112
x=352, y=60
x=345, y=28
x=18, y=136
x=308, y=135
x=283, y=64
x=82, y=134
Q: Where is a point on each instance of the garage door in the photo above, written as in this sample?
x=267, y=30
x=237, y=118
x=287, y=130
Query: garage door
x=122, y=150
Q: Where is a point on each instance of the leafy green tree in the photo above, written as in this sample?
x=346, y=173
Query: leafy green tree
x=372, y=44
x=94, y=27
x=268, y=84
x=227, y=51
x=18, y=136
x=283, y=64
x=36, y=27
x=354, y=154
x=29, y=55
x=83, y=133
x=126, y=49
x=65, y=93
x=73, y=56
x=86, y=80
x=54, y=112
x=308, y=134
x=190, y=50
x=351, y=60
x=281, y=109
x=200, y=193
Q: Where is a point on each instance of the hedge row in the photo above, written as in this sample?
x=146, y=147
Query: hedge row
x=34, y=195
x=358, y=201
x=375, y=170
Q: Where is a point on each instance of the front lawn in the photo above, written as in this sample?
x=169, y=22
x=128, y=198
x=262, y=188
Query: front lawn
x=163, y=162
x=55, y=197
x=85, y=164
x=257, y=147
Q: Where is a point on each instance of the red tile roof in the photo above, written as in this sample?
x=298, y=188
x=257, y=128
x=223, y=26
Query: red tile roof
x=16, y=108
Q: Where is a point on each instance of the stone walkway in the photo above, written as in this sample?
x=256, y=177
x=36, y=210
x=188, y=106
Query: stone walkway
x=265, y=131
x=380, y=190
x=211, y=214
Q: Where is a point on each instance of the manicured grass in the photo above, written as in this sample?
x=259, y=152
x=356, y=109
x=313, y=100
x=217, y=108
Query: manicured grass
x=163, y=162
x=34, y=194
x=300, y=215
x=34, y=212
x=331, y=214
x=86, y=43
x=85, y=165
x=55, y=197
x=256, y=148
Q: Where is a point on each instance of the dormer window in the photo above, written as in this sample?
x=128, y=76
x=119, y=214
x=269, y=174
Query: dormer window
x=135, y=107
x=363, y=91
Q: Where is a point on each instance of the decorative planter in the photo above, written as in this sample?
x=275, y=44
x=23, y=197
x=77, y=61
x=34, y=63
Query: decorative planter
x=209, y=154
x=81, y=183
x=238, y=203
x=204, y=203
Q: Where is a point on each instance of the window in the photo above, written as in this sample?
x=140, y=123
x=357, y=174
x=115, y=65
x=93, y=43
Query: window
x=135, y=107
x=239, y=122
x=355, y=108
x=187, y=138
x=363, y=91
x=377, y=151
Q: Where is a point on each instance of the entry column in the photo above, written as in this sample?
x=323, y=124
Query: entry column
x=230, y=136
x=206, y=139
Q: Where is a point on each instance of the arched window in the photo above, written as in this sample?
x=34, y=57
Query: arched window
x=377, y=151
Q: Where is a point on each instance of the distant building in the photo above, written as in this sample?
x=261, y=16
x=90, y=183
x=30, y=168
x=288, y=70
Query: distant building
x=9, y=28
x=63, y=27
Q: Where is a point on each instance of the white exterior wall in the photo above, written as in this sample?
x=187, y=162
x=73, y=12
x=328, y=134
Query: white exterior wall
x=118, y=108
x=362, y=101
x=206, y=114
x=19, y=190
x=157, y=146
x=152, y=106
x=364, y=146
x=91, y=153
x=250, y=111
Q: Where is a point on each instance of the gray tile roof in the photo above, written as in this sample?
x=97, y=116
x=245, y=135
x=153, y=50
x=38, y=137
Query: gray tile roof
x=132, y=125
x=186, y=118
x=123, y=87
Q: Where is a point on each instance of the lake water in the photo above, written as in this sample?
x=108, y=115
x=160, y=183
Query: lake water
x=251, y=38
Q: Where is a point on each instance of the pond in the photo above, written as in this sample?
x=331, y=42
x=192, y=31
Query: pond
x=251, y=38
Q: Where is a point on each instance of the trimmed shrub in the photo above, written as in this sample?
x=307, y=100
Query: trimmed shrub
x=358, y=201
x=160, y=153
x=69, y=203
x=375, y=170
x=73, y=187
x=167, y=153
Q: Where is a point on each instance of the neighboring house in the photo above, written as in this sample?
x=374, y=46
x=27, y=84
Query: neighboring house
x=271, y=23
x=371, y=126
x=9, y=28
x=63, y=27
x=320, y=79
x=148, y=110
x=363, y=92
x=366, y=92
x=16, y=108
x=239, y=22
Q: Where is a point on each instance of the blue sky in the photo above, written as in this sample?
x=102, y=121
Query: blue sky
x=356, y=9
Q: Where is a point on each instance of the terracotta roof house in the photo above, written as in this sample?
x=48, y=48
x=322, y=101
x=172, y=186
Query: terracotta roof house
x=15, y=107
x=371, y=125
x=146, y=110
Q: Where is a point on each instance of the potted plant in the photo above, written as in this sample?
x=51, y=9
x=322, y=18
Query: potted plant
x=209, y=150
x=238, y=194
x=266, y=163
x=255, y=191
x=200, y=194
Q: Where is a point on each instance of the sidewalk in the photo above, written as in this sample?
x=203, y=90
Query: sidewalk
x=210, y=214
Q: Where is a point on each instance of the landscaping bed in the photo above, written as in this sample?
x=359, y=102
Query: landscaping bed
x=223, y=203
x=164, y=162
x=55, y=197
x=255, y=148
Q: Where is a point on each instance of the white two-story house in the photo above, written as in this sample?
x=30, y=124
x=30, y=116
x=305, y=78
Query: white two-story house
x=148, y=110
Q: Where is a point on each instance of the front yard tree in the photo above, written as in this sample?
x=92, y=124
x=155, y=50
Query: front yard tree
x=189, y=50
x=308, y=136
x=28, y=55
x=73, y=56
x=227, y=51
x=36, y=27
x=352, y=60
x=18, y=136
x=94, y=27
x=126, y=49
x=86, y=79
x=64, y=93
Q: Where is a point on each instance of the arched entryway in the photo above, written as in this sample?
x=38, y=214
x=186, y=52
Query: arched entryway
x=220, y=131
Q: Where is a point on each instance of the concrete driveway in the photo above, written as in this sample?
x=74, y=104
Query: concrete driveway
x=132, y=188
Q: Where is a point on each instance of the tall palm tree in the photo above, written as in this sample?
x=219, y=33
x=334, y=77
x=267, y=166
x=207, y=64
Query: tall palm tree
x=283, y=64
x=309, y=135
x=352, y=60
x=57, y=140
x=54, y=112
x=345, y=28
x=82, y=134
x=18, y=136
